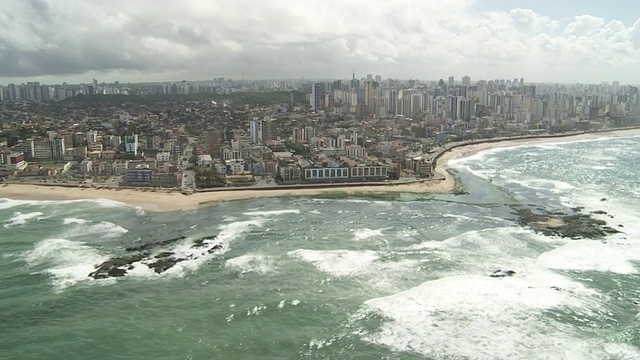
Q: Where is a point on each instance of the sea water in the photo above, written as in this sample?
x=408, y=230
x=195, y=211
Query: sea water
x=398, y=277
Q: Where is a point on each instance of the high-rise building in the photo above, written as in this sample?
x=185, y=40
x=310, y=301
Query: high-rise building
x=452, y=107
x=370, y=92
x=466, y=80
x=255, y=130
x=451, y=80
x=57, y=149
x=131, y=144
x=317, y=96
x=269, y=130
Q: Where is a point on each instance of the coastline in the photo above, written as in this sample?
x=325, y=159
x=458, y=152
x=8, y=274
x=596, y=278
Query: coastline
x=160, y=200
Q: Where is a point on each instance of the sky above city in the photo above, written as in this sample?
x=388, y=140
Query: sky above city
x=568, y=41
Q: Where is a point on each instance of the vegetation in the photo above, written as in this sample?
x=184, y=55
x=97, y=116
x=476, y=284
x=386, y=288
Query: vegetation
x=298, y=149
x=208, y=177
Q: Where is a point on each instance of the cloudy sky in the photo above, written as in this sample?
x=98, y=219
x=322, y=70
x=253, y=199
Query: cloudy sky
x=564, y=41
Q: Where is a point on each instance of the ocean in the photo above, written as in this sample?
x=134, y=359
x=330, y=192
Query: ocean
x=398, y=276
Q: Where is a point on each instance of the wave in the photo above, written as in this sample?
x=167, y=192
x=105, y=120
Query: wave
x=337, y=263
x=473, y=316
x=21, y=219
x=70, y=262
x=69, y=221
x=366, y=233
x=615, y=256
x=364, y=265
x=251, y=263
x=104, y=203
x=103, y=229
x=271, y=213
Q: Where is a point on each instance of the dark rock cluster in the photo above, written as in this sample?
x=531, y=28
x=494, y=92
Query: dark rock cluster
x=145, y=255
x=574, y=224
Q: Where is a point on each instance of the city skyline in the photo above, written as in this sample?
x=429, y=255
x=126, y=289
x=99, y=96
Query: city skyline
x=544, y=42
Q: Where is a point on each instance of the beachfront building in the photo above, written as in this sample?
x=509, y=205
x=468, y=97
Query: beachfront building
x=15, y=161
x=290, y=173
x=369, y=172
x=140, y=176
x=334, y=174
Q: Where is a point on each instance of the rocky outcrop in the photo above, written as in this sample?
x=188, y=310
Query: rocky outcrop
x=574, y=224
x=155, y=256
x=502, y=273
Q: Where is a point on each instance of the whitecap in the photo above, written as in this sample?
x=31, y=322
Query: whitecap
x=614, y=256
x=254, y=263
x=473, y=317
x=366, y=233
x=271, y=213
x=338, y=263
x=67, y=262
x=69, y=221
x=21, y=219
x=103, y=229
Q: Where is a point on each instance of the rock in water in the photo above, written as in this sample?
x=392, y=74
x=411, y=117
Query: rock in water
x=164, y=264
x=502, y=273
x=115, y=267
x=161, y=262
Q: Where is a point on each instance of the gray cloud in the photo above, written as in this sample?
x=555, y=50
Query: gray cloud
x=170, y=40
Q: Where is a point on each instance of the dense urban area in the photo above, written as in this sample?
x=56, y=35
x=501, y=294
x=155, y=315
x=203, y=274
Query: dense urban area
x=217, y=134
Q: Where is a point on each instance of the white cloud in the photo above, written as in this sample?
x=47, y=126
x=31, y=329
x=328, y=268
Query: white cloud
x=199, y=39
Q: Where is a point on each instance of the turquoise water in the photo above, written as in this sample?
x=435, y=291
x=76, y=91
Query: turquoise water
x=343, y=278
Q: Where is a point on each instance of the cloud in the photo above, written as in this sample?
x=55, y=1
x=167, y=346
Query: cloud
x=199, y=39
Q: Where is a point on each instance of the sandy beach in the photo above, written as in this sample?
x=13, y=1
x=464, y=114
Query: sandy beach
x=172, y=201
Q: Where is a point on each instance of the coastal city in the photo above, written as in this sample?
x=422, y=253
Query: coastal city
x=240, y=134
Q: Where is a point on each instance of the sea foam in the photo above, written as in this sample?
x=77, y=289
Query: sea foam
x=472, y=316
x=21, y=219
x=67, y=262
x=251, y=263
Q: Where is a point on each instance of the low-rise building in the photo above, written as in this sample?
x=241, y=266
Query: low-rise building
x=140, y=176
x=326, y=174
x=369, y=172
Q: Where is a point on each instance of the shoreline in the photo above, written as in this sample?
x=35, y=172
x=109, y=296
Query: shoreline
x=161, y=200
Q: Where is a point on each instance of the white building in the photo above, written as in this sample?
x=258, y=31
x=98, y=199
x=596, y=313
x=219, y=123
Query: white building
x=163, y=156
x=356, y=151
x=326, y=173
x=131, y=144
x=369, y=172
x=235, y=167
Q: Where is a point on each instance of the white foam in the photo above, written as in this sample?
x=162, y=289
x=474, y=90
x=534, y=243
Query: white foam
x=554, y=186
x=458, y=217
x=364, y=234
x=255, y=263
x=615, y=256
x=9, y=203
x=68, y=262
x=68, y=221
x=199, y=256
x=271, y=213
x=337, y=263
x=21, y=219
x=103, y=229
x=473, y=317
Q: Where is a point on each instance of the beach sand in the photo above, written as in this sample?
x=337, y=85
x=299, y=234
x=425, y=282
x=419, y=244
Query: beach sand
x=172, y=201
